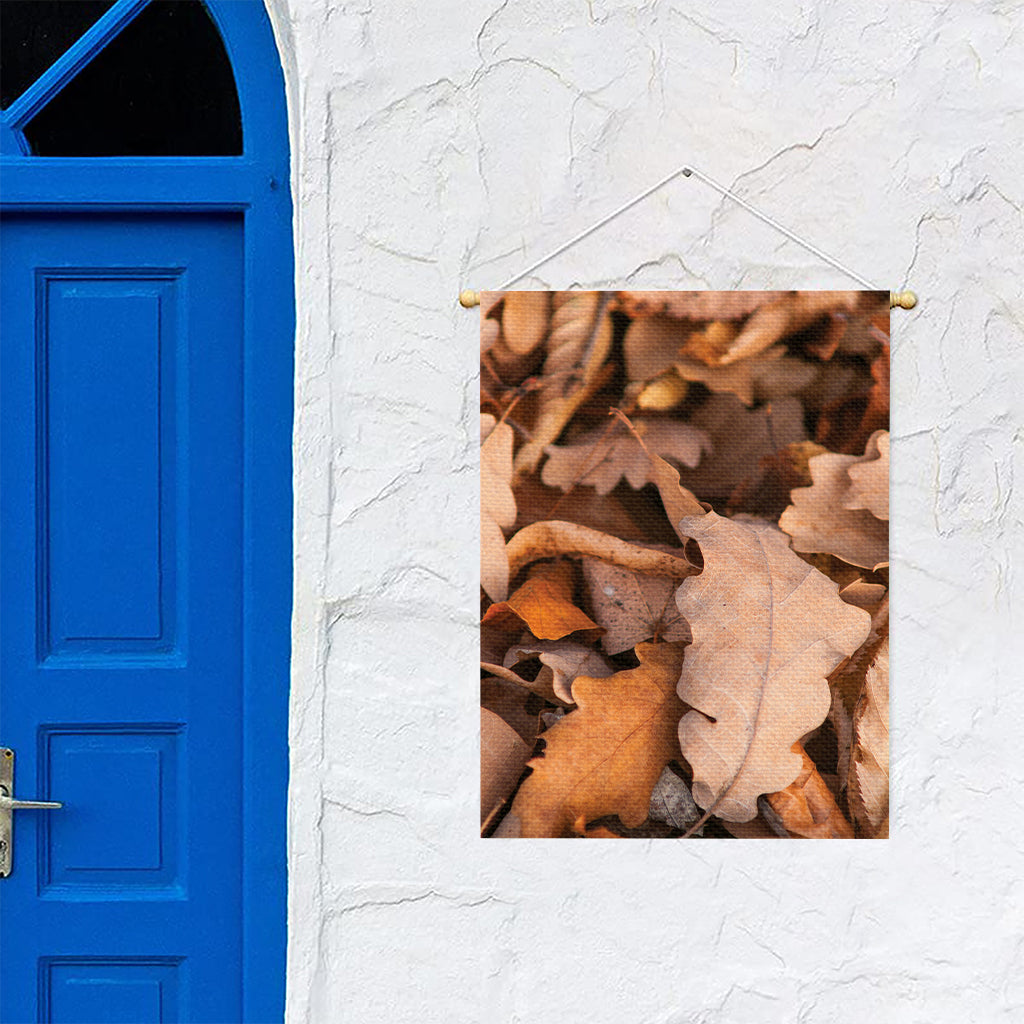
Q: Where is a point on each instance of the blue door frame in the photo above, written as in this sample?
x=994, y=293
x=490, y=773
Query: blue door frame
x=253, y=189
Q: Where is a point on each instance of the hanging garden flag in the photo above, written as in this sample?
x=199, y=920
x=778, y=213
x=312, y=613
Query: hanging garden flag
x=684, y=564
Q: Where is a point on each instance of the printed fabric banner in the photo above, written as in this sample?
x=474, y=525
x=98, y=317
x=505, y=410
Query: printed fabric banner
x=684, y=565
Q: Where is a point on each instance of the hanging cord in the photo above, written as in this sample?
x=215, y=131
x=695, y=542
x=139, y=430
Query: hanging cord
x=905, y=300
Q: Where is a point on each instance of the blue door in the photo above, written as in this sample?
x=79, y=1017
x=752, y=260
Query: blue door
x=145, y=563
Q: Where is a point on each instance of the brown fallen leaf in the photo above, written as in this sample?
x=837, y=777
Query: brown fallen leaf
x=740, y=439
x=807, y=807
x=757, y=828
x=821, y=518
x=694, y=305
x=767, y=629
x=632, y=607
x=656, y=344
x=672, y=803
x=876, y=413
x=561, y=662
x=578, y=344
x=868, y=781
x=767, y=494
x=544, y=603
x=863, y=594
x=524, y=320
x=652, y=345
x=510, y=702
x=605, y=757
x=503, y=755
x=553, y=537
x=858, y=334
x=762, y=377
x=581, y=505
x=847, y=684
x=602, y=458
x=490, y=331
x=869, y=477
x=711, y=342
x=497, y=505
x=789, y=313
x=676, y=499
x=489, y=302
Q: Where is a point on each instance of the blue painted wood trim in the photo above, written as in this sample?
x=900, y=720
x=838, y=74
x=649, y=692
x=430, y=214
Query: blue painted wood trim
x=258, y=184
x=267, y=500
x=138, y=182
x=62, y=70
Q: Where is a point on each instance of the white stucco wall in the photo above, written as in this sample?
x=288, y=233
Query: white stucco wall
x=447, y=144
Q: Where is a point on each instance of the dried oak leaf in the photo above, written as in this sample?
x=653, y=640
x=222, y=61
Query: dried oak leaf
x=869, y=477
x=652, y=345
x=868, y=781
x=490, y=331
x=700, y=305
x=632, y=607
x=602, y=458
x=606, y=756
x=544, y=603
x=847, y=684
x=561, y=662
x=762, y=377
x=503, y=755
x=876, y=414
x=831, y=516
x=807, y=807
x=740, y=439
x=863, y=594
x=497, y=505
x=555, y=537
x=524, y=320
x=659, y=344
x=767, y=629
x=509, y=701
x=767, y=494
x=577, y=346
x=672, y=803
x=584, y=506
x=489, y=302
x=787, y=314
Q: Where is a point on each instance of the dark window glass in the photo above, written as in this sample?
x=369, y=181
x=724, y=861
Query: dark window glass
x=163, y=87
x=33, y=35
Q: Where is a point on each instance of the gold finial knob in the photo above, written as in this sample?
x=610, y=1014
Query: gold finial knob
x=905, y=300
x=469, y=298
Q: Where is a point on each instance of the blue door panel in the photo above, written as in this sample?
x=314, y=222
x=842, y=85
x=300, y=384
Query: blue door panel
x=121, y=602
x=127, y=991
x=109, y=434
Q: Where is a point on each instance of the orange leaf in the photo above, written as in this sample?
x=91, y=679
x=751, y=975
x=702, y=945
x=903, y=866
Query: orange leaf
x=605, y=757
x=807, y=807
x=544, y=603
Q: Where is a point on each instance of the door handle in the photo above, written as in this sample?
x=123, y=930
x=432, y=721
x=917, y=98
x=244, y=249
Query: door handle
x=9, y=804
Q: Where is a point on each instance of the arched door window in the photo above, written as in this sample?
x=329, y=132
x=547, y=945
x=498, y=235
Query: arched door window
x=145, y=510
x=160, y=85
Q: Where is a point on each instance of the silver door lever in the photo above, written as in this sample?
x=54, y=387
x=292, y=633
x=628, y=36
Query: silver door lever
x=8, y=804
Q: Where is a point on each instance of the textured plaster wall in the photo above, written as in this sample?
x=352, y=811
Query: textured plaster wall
x=447, y=144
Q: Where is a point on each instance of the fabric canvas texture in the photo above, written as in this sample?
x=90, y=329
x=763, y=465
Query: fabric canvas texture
x=684, y=574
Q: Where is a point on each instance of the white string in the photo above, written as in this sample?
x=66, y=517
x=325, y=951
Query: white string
x=686, y=171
